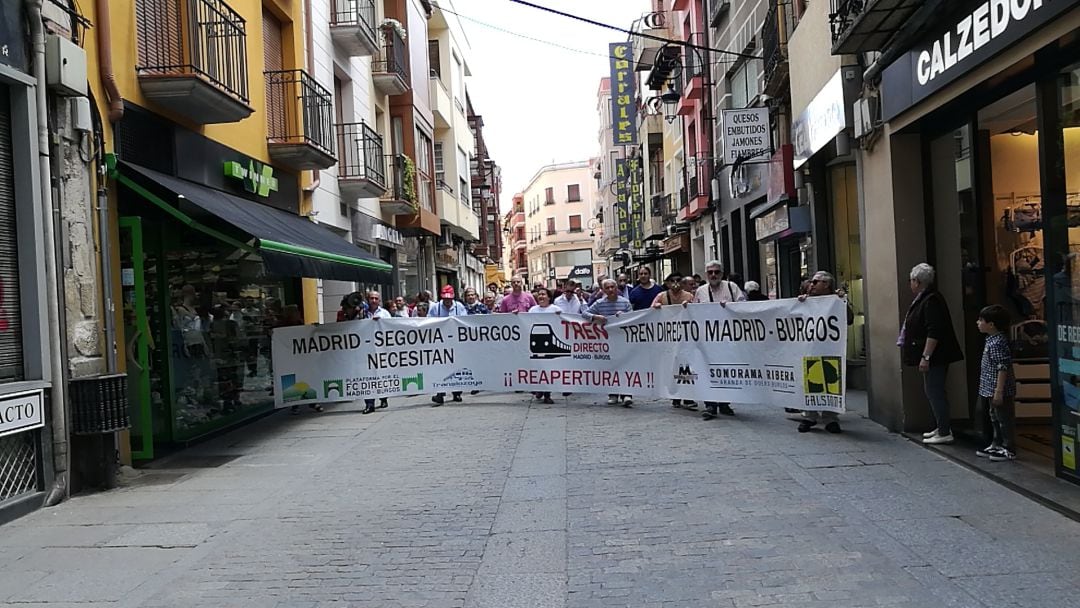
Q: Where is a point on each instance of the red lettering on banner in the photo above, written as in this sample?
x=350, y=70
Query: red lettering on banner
x=583, y=331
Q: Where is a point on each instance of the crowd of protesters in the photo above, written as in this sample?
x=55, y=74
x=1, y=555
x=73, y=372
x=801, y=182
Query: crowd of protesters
x=609, y=297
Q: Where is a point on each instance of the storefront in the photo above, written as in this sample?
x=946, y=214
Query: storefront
x=25, y=470
x=210, y=264
x=998, y=125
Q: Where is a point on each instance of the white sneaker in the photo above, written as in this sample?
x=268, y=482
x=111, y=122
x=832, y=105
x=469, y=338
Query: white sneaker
x=627, y=402
x=613, y=400
x=987, y=451
x=938, y=439
x=1002, y=455
x=930, y=434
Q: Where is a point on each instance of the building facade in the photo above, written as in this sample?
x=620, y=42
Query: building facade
x=557, y=223
x=52, y=331
x=517, y=238
x=962, y=128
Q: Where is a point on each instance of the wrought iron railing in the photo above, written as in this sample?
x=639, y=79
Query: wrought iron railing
x=778, y=24
x=392, y=58
x=354, y=12
x=694, y=60
x=396, y=187
x=299, y=110
x=360, y=151
x=203, y=38
x=843, y=13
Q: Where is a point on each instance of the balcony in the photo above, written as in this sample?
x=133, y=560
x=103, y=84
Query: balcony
x=400, y=195
x=652, y=26
x=778, y=25
x=362, y=166
x=192, y=59
x=441, y=106
x=694, y=66
x=859, y=26
x=668, y=61
x=390, y=68
x=352, y=26
x=300, y=121
x=455, y=215
x=718, y=9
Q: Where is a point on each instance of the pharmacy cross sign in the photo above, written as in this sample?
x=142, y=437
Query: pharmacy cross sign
x=258, y=178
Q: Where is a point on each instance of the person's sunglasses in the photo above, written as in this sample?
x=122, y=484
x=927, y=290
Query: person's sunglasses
x=712, y=272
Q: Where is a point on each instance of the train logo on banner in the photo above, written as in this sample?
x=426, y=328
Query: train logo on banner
x=623, y=94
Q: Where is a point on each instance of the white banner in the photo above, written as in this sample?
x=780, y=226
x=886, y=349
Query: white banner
x=785, y=353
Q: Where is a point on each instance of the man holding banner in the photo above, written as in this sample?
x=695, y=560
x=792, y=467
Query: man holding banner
x=611, y=305
x=716, y=290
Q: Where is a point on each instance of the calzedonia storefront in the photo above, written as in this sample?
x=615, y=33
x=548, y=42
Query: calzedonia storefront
x=212, y=251
x=993, y=95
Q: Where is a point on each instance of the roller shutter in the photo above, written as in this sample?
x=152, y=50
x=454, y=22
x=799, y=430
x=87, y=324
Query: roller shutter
x=11, y=352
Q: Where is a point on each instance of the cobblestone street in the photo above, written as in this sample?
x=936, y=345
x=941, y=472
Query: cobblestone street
x=499, y=503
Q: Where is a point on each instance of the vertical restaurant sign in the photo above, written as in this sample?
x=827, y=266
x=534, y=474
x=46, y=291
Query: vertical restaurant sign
x=622, y=203
x=635, y=175
x=623, y=93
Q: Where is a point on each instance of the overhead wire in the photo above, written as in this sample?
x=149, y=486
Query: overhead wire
x=556, y=44
x=616, y=28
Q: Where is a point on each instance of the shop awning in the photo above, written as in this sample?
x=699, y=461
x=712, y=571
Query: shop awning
x=290, y=245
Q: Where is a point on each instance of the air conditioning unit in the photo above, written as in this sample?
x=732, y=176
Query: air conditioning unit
x=671, y=230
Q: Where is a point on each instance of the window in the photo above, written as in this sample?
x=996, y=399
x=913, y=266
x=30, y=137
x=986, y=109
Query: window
x=440, y=165
x=424, y=191
x=459, y=82
x=549, y=196
x=434, y=59
x=573, y=193
x=575, y=223
x=744, y=84
x=463, y=192
x=550, y=226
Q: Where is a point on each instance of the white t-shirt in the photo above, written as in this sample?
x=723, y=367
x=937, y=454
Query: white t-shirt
x=549, y=308
x=725, y=292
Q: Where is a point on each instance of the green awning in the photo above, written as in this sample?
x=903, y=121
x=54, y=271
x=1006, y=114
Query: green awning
x=290, y=245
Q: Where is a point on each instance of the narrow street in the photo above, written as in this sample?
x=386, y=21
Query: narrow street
x=499, y=503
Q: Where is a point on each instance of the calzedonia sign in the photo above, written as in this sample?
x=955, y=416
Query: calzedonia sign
x=980, y=33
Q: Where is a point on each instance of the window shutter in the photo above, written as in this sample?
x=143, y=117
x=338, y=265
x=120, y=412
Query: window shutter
x=274, y=60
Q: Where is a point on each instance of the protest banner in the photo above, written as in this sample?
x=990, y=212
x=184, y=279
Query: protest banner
x=784, y=353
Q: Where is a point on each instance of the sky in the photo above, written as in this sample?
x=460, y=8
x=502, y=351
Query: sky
x=538, y=101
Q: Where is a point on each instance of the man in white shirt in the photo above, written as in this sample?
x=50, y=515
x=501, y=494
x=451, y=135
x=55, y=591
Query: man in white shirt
x=717, y=291
x=375, y=311
x=569, y=302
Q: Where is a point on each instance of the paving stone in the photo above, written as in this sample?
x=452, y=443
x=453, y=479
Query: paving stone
x=501, y=502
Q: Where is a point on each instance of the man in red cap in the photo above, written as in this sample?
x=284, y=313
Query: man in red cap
x=447, y=307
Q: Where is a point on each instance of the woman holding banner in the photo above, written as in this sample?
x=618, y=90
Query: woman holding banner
x=544, y=305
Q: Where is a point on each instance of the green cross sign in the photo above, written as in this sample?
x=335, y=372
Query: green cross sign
x=258, y=178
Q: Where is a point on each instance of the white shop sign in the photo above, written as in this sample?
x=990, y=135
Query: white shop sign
x=747, y=135
x=21, y=412
x=819, y=123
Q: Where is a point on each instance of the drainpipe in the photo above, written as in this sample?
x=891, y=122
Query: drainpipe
x=309, y=39
x=58, y=400
x=105, y=65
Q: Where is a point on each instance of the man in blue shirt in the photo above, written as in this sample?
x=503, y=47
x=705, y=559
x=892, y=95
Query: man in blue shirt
x=643, y=294
x=612, y=304
x=447, y=307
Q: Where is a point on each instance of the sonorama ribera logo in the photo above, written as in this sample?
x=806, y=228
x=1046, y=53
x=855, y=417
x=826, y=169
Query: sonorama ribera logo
x=685, y=375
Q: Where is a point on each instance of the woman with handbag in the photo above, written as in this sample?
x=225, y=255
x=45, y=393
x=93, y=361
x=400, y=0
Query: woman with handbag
x=927, y=340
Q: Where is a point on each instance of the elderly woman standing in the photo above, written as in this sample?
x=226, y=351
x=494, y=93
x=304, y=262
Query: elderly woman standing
x=927, y=340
